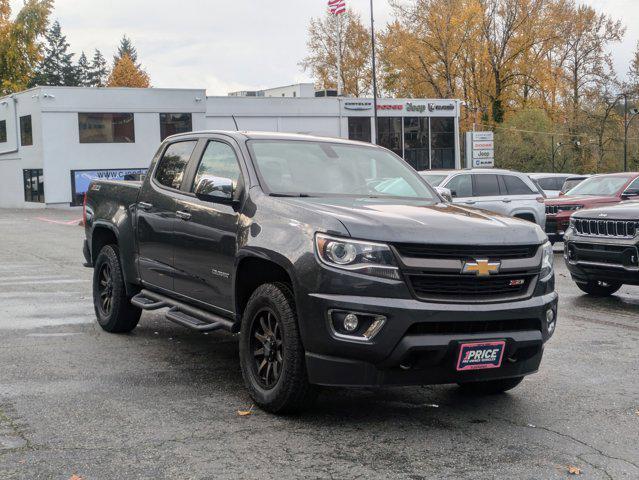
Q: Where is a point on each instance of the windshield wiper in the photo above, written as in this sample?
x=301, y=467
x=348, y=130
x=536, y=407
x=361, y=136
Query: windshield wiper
x=296, y=195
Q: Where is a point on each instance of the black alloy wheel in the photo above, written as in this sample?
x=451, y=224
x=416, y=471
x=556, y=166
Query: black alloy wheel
x=105, y=289
x=266, y=346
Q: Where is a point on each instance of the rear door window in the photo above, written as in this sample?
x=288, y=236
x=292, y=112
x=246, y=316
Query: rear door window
x=516, y=186
x=172, y=165
x=486, y=185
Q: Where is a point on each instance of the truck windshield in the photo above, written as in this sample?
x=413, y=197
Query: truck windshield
x=308, y=168
x=599, y=186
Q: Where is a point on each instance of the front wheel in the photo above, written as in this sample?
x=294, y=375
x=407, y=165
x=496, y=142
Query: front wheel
x=599, y=288
x=490, y=387
x=271, y=351
x=113, y=309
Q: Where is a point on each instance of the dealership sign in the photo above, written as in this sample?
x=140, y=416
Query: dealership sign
x=360, y=105
x=480, y=149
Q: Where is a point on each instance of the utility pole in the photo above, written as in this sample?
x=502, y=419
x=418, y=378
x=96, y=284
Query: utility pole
x=374, y=74
x=552, y=145
x=625, y=132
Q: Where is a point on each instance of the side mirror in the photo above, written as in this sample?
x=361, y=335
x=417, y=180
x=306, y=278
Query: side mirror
x=628, y=194
x=445, y=193
x=215, y=189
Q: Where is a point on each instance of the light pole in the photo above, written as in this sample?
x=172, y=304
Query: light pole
x=374, y=73
x=555, y=149
x=626, y=125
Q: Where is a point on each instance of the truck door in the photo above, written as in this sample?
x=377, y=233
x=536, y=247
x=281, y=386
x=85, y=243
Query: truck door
x=206, y=228
x=156, y=209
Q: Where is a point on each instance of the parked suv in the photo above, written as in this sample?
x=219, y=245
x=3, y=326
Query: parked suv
x=600, y=248
x=501, y=191
x=334, y=260
x=550, y=183
x=596, y=191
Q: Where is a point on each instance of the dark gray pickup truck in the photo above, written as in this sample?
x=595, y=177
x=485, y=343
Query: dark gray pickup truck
x=334, y=260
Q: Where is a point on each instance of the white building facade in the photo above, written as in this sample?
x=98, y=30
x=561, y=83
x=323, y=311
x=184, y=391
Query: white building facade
x=54, y=140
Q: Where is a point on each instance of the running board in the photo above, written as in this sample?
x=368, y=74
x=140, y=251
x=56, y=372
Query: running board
x=182, y=313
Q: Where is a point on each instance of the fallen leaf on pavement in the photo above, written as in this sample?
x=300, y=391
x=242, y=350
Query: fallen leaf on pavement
x=75, y=477
x=244, y=413
x=574, y=470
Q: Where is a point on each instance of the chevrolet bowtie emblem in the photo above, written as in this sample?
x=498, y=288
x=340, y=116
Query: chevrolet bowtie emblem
x=481, y=267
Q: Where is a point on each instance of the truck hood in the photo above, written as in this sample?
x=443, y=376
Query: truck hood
x=414, y=221
x=621, y=211
x=581, y=200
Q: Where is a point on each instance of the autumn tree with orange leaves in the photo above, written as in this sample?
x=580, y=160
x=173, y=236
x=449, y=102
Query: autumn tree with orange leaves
x=126, y=73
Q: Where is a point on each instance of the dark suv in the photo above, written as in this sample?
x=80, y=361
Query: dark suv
x=334, y=260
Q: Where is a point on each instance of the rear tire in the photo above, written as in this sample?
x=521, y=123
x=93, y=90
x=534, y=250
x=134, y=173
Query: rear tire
x=271, y=351
x=490, y=387
x=113, y=308
x=599, y=288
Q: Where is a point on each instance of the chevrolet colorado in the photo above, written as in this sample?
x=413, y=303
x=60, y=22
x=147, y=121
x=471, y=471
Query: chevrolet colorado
x=334, y=260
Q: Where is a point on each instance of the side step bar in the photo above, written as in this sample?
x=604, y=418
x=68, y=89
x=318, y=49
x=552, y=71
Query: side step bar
x=183, y=314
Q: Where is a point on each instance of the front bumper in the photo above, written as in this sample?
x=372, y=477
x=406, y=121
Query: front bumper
x=399, y=356
x=556, y=226
x=608, y=260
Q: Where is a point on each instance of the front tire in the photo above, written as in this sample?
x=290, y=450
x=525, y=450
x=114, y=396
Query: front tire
x=490, y=387
x=113, y=310
x=271, y=351
x=599, y=288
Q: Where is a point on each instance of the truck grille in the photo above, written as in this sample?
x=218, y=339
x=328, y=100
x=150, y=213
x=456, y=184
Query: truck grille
x=552, y=209
x=466, y=288
x=469, y=327
x=465, y=251
x=606, y=228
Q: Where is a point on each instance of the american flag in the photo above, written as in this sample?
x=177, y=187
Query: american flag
x=336, y=7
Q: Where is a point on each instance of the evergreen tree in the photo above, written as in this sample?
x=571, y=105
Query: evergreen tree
x=126, y=48
x=56, y=67
x=84, y=71
x=99, y=71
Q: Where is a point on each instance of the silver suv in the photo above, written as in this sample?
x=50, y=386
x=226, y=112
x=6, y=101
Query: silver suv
x=500, y=191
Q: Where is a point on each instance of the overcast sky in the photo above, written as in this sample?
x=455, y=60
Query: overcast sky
x=224, y=45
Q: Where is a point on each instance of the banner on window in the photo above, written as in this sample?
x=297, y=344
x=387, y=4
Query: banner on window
x=80, y=179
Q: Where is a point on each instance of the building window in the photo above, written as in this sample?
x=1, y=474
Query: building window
x=172, y=123
x=172, y=167
x=3, y=131
x=390, y=134
x=442, y=142
x=26, y=131
x=359, y=128
x=106, y=127
x=33, y=185
x=416, y=149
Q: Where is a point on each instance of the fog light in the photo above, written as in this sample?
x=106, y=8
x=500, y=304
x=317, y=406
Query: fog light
x=550, y=321
x=351, y=322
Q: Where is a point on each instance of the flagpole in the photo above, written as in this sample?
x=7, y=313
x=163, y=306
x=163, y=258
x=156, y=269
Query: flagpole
x=374, y=72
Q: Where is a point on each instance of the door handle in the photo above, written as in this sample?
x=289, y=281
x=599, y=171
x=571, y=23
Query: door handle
x=470, y=202
x=145, y=206
x=506, y=200
x=186, y=216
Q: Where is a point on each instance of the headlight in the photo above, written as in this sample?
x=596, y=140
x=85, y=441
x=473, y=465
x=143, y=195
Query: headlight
x=569, y=208
x=547, y=259
x=368, y=258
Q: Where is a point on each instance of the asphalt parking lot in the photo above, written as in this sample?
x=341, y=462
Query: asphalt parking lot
x=163, y=401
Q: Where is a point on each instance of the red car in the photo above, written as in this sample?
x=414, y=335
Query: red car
x=596, y=191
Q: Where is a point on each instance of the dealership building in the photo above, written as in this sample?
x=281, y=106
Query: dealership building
x=55, y=140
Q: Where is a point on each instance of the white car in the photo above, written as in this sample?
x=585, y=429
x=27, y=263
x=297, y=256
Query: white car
x=500, y=191
x=551, y=183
